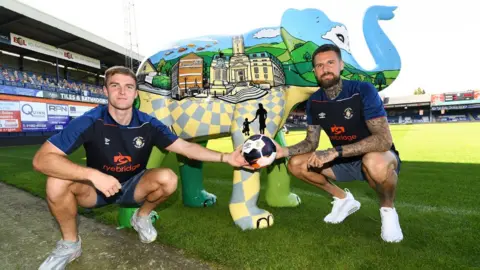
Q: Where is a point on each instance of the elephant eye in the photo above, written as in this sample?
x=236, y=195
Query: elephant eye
x=341, y=37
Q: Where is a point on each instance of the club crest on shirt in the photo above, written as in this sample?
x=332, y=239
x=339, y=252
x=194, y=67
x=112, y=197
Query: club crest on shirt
x=348, y=113
x=138, y=142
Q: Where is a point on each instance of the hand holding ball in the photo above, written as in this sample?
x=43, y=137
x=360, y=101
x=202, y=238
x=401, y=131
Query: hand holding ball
x=259, y=151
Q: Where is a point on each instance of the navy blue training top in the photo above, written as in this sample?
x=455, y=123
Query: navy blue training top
x=117, y=150
x=344, y=117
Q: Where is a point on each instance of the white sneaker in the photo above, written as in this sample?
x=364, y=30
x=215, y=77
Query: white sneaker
x=63, y=254
x=144, y=227
x=391, y=231
x=342, y=208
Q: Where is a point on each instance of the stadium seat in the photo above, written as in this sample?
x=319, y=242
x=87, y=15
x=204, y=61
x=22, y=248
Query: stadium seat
x=31, y=80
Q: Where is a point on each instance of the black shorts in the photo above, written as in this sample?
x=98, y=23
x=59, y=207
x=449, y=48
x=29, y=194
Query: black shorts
x=350, y=169
x=125, y=195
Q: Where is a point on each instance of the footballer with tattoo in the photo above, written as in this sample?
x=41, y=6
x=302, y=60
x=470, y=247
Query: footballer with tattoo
x=352, y=115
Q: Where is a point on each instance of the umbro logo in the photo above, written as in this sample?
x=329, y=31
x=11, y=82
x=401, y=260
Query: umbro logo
x=322, y=115
x=107, y=141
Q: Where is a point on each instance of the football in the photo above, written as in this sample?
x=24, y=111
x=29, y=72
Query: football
x=259, y=151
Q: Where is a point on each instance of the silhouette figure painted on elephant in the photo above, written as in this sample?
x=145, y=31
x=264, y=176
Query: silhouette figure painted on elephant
x=246, y=127
x=262, y=116
x=208, y=93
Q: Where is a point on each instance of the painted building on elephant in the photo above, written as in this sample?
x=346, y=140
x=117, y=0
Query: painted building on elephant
x=267, y=69
x=187, y=76
x=244, y=69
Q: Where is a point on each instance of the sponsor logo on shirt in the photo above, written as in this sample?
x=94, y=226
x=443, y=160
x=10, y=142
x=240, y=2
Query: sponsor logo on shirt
x=337, y=134
x=122, y=164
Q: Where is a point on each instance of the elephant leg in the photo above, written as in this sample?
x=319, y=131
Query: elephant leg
x=243, y=204
x=278, y=186
x=193, y=192
x=156, y=158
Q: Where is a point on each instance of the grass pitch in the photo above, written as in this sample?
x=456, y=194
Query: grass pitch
x=436, y=200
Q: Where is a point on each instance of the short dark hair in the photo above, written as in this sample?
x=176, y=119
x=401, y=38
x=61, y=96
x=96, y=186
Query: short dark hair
x=119, y=70
x=326, y=48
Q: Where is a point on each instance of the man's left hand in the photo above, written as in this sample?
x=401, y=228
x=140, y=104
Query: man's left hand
x=319, y=158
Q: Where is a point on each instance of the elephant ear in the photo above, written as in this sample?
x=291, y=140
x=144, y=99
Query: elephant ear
x=339, y=36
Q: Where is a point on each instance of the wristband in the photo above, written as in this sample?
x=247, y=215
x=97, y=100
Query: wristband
x=339, y=150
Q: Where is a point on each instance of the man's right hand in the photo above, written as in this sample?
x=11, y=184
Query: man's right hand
x=107, y=184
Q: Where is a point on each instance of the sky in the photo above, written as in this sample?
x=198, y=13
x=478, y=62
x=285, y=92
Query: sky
x=437, y=42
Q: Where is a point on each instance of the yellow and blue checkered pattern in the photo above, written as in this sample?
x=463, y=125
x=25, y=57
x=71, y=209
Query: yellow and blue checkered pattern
x=200, y=117
x=190, y=117
x=193, y=117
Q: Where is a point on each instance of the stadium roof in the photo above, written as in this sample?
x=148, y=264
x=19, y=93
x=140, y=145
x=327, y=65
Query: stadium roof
x=417, y=100
x=21, y=19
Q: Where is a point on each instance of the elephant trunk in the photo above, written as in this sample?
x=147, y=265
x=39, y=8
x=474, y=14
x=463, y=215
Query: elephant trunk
x=384, y=53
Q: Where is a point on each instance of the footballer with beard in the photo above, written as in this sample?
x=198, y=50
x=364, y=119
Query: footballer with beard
x=352, y=115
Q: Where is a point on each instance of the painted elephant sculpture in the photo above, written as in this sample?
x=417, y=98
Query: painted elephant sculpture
x=211, y=86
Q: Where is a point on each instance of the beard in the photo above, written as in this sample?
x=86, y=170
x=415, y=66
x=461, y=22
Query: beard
x=327, y=83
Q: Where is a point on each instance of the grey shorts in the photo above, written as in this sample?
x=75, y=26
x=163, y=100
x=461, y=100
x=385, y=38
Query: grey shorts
x=350, y=169
x=125, y=197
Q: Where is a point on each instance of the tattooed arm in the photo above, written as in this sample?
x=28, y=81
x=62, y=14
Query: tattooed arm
x=380, y=140
x=309, y=144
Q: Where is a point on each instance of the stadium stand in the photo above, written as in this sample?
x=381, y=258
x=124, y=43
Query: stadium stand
x=408, y=109
x=456, y=106
x=297, y=120
x=475, y=115
x=416, y=109
x=30, y=80
x=50, y=72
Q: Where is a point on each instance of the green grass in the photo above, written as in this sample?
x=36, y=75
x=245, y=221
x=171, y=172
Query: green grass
x=436, y=200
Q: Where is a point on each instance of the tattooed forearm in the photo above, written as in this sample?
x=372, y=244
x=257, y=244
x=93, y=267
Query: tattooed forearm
x=379, y=141
x=308, y=145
